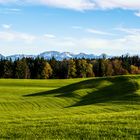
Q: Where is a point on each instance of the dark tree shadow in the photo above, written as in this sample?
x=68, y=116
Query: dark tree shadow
x=122, y=89
x=116, y=92
x=67, y=91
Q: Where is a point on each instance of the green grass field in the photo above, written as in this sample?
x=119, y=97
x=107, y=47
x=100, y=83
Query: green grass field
x=97, y=108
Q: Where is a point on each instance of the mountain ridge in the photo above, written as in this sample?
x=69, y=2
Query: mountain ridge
x=57, y=55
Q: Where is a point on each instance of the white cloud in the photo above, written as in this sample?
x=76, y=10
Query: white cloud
x=91, y=30
x=10, y=10
x=137, y=14
x=67, y=4
x=82, y=4
x=6, y=26
x=128, y=43
x=26, y=37
x=117, y=46
x=13, y=9
x=125, y=4
x=94, y=31
x=129, y=31
x=6, y=36
x=16, y=36
x=49, y=36
x=70, y=4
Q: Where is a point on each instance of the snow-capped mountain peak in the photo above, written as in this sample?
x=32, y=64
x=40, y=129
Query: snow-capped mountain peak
x=57, y=55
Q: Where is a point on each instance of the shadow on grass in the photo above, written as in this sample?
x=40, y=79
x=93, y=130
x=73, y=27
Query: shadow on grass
x=121, y=89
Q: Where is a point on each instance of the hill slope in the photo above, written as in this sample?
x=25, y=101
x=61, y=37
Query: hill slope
x=98, y=108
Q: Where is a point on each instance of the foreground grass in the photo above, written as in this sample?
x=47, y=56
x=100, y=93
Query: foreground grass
x=98, y=108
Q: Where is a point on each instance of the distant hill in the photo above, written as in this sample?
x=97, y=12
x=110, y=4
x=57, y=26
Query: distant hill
x=1, y=56
x=56, y=55
x=18, y=56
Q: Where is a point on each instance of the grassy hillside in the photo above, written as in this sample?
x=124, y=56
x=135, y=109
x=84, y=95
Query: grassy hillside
x=98, y=108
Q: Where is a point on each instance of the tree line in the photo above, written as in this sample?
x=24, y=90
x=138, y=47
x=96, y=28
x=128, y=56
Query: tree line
x=39, y=68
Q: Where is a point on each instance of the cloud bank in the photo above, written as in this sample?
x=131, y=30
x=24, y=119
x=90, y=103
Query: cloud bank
x=16, y=36
x=80, y=4
x=129, y=42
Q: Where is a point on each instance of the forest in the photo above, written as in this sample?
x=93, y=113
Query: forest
x=39, y=68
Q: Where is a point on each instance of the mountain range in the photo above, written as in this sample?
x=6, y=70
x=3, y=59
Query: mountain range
x=57, y=55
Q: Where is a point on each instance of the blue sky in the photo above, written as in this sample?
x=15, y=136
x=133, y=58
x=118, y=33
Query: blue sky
x=89, y=26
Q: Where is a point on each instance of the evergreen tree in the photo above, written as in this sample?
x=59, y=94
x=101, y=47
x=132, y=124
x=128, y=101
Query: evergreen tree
x=22, y=69
x=81, y=66
x=71, y=69
x=63, y=69
x=8, y=69
x=42, y=69
x=96, y=67
x=2, y=68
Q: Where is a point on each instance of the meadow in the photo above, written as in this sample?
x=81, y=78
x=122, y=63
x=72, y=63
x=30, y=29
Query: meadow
x=93, y=108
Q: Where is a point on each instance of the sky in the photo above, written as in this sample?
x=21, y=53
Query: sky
x=87, y=26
